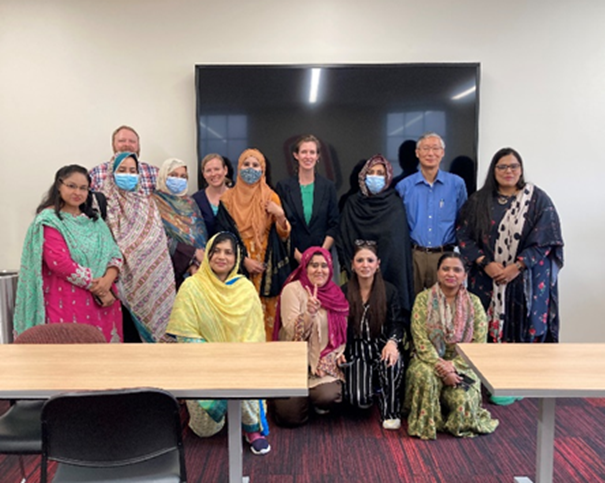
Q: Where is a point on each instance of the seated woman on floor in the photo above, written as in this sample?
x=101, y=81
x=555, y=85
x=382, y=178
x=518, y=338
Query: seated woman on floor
x=442, y=392
x=374, y=335
x=313, y=309
x=219, y=305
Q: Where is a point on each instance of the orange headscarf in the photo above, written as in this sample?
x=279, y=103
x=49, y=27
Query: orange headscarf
x=246, y=202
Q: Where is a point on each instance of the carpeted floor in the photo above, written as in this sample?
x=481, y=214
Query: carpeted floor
x=352, y=447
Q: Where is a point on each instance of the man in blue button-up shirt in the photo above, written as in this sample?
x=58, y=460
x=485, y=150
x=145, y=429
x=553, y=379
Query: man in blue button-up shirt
x=432, y=200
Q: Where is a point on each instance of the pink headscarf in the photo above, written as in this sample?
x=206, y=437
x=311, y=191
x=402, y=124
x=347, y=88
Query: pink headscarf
x=331, y=297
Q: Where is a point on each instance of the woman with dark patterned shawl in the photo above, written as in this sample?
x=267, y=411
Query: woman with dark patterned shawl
x=146, y=284
x=376, y=213
x=510, y=237
x=442, y=392
x=313, y=309
x=219, y=305
x=69, y=262
x=255, y=208
x=183, y=222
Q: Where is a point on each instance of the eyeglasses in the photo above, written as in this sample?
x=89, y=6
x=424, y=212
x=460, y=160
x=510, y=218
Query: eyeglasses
x=73, y=187
x=503, y=167
x=426, y=149
x=365, y=243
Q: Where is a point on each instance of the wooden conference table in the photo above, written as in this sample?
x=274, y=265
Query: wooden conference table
x=544, y=371
x=232, y=371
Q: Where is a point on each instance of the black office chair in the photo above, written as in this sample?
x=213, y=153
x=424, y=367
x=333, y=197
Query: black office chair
x=110, y=436
x=20, y=428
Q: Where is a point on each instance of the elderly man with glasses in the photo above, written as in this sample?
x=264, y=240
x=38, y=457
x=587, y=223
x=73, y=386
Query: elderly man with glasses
x=432, y=200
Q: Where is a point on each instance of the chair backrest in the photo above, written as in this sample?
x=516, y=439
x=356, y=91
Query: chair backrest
x=111, y=428
x=65, y=333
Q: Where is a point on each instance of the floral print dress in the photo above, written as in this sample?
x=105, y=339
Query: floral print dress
x=431, y=405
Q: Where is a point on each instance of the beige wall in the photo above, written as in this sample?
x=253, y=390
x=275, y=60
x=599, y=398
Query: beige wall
x=73, y=70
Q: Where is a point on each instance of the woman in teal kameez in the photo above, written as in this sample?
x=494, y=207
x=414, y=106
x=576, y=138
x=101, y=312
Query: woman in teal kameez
x=442, y=392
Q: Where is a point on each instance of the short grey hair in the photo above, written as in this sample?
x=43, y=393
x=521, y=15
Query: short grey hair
x=427, y=135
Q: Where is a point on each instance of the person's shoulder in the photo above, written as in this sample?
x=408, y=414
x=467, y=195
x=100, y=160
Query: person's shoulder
x=294, y=287
x=148, y=166
x=389, y=287
x=100, y=167
x=451, y=178
x=409, y=182
x=199, y=195
x=422, y=297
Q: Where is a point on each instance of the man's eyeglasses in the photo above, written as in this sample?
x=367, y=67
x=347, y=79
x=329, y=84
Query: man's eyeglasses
x=426, y=149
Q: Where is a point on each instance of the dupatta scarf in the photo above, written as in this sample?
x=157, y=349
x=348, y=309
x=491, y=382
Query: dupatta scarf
x=90, y=245
x=331, y=297
x=447, y=325
x=146, y=283
x=215, y=311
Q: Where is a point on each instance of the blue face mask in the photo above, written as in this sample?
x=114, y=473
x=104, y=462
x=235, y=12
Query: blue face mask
x=176, y=185
x=375, y=183
x=250, y=175
x=125, y=181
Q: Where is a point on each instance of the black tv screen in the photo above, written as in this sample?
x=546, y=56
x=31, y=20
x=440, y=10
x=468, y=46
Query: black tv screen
x=355, y=110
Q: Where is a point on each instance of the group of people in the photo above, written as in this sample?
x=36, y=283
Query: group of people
x=126, y=249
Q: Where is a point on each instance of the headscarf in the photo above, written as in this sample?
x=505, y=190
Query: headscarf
x=331, y=297
x=146, y=282
x=180, y=214
x=119, y=158
x=217, y=311
x=373, y=161
x=168, y=167
x=246, y=203
x=90, y=245
x=445, y=327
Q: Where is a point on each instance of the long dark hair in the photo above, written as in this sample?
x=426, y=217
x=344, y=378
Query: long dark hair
x=377, y=310
x=477, y=212
x=53, y=197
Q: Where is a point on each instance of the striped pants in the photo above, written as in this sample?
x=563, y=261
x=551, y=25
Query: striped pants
x=368, y=375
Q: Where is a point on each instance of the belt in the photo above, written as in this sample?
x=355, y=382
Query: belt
x=441, y=249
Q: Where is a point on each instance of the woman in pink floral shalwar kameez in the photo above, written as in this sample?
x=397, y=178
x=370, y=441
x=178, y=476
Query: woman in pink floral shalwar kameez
x=69, y=262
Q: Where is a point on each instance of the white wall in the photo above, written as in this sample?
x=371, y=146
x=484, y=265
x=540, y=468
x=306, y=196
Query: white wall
x=73, y=70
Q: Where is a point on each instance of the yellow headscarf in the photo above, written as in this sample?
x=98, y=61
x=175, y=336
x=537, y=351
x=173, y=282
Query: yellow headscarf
x=216, y=311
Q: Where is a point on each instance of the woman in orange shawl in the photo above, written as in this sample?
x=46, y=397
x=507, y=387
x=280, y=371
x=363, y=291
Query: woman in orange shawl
x=254, y=208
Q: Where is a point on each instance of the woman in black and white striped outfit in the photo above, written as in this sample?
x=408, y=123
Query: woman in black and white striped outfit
x=374, y=338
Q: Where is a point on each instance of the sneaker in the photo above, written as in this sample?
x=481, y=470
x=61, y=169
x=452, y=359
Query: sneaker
x=392, y=424
x=503, y=400
x=259, y=445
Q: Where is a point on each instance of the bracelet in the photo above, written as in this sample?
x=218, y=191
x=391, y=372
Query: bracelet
x=519, y=266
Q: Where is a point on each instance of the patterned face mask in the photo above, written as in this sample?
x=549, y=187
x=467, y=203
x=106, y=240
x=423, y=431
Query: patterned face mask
x=250, y=175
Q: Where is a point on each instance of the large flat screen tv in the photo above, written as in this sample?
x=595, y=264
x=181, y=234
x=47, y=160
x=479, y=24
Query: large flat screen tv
x=355, y=110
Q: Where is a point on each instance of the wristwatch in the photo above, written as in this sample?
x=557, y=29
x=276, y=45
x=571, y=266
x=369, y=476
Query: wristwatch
x=484, y=262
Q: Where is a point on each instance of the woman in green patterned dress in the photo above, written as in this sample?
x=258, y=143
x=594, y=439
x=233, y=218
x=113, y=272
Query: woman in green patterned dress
x=442, y=392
